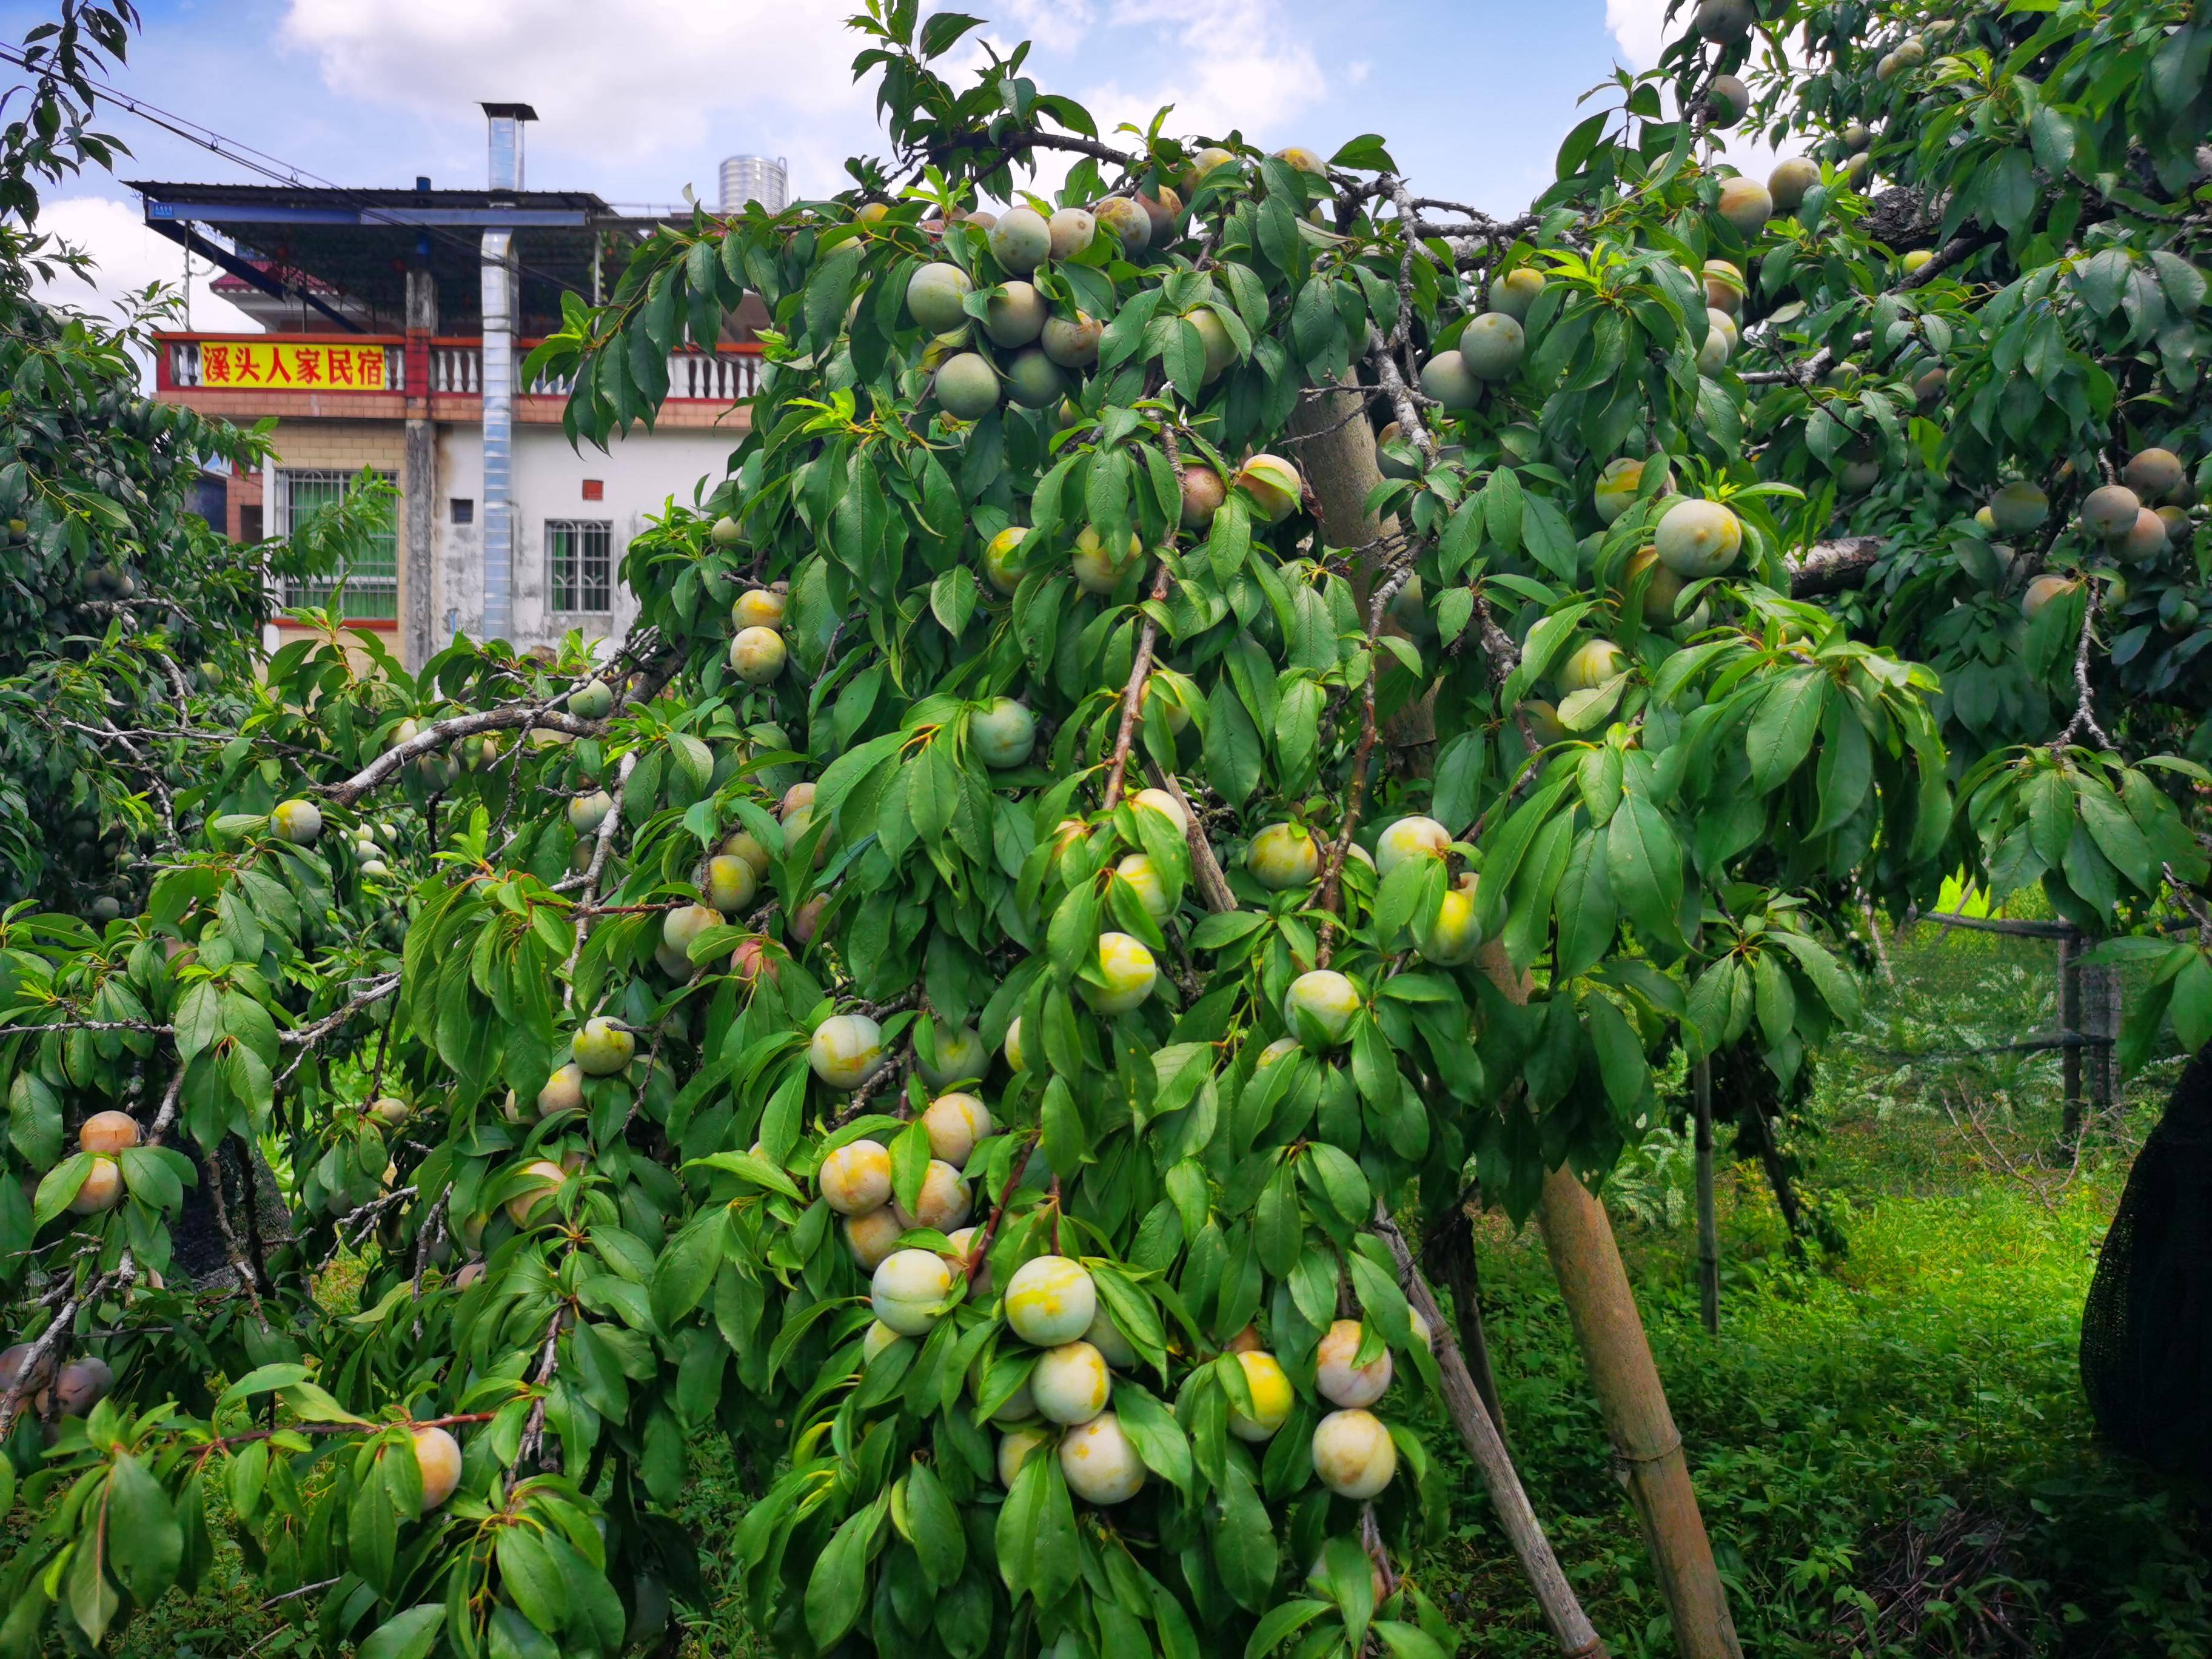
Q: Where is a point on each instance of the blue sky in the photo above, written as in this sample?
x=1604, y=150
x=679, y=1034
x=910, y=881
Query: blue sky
x=640, y=98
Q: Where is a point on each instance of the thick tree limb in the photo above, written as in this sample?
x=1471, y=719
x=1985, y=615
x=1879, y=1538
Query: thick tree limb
x=1832, y=567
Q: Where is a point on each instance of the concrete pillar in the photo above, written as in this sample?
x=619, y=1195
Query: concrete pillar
x=419, y=488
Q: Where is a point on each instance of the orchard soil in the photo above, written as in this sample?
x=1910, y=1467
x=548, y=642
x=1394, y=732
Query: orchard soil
x=1889, y=1442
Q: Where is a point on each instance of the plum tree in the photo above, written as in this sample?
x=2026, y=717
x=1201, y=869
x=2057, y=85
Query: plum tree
x=1225, y=1040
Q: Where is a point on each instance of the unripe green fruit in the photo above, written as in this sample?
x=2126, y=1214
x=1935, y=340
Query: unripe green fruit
x=1015, y=314
x=1855, y=170
x=2152, y=473
x=1452, y=939
x=960, y=1054
x=1160, y=801
x=1719, y=343
x=1337, y=1380
x=1447, y=377
x=1320, y=1007
x=1273, y=484
x=107, y=1132
x=727, y=531
x=1021, y=241
x=2177, y=524
x=2146, y=540
x=1096, y=572
x=1283, y=855
x=1070, y=1383
x=2177, y=612
x=1591, y=666
x=1516, y=294
x=1214, y=335
x=299, y=822
x=1070, y=231
x=1100, y=1462
x=1915, y=259
x=1033, y=381
x=1014, y=1448
x=873, y=1235
x=593, y=700
x=1002, y=733
x=1662, y=588
x=1857, y=477
x=743, y=845
x=1000, y=566
x=2016, y=509
x=1271, y=1398
x=758, y=607
x=563, y=1090
x=966, y=385
x=1143, y=880
x=2044, y=590
x=732, y=883
x=1724, y=287
x=954, y=1123
x=438, y=1457
x=1617, y=486
x=1129, y=223
x=757, y=655
x=687, y=923
x=546, y=1178
x=1698, y=539
x=1203, y=493
x=934, y=295
x=106, y=908
x=1493, y=346
x=1354, y=1454
x=1724, y=20
x=1129, y=972
x=1746, y=205
x=1856, y=136
x=1071, y=343
x=1409, y=838
x=1727, y=101
x=1911, y=51
x=878, y=1337
x=602, y=1048
x=1050, y=1300
x=907, y=1288
x=102, y=1189
x=1789, y=181
x=2109, y=512
x=846, y=1050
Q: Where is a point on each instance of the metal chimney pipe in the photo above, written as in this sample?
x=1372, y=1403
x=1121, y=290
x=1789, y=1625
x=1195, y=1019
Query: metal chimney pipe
x=500, y=305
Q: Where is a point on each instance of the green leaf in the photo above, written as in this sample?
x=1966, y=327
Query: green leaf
x=1646, y=861
x=835, y=1587
x=938, y=1538
x=1152, y=1429
x=144, y=1541
x=408, y=1635
x=1782, y=732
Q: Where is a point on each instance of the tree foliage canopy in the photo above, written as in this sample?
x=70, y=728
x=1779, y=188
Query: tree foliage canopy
x=1228, y=703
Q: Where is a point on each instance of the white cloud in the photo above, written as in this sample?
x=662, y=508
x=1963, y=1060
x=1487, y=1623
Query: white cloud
x=127, y=256
x=1640, y=28
x=1238, y=63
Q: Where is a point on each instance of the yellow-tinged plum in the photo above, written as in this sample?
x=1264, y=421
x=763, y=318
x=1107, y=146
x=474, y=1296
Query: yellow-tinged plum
x=966, y=385
x=1050, y=1300
x=1617, y=486
x=438, y=1456
x=1096, y=571
x=102, y=1189
x=1162, y=210
x=602, y=1048
x=1070, y=1383
x=727, y=532
x=1453, y=938
x=1070, y=231
x=1001, y=558
x=1724, y=287
x=1409, y=838
x=757, y=655
x=943, y=1203
x=1142, y=878
x=1283, y=855
x=1129, y=971
x=1280, y=1048
x=1104, y=1335
x=1789, y=181
x=1214, y=336
x=1021, y=241
x=1304, y=160
x=2044, y=590
x=960, y=1053
x=934, y=295
x=1915, y=259
x=1160, y=801
x=954, y=1123
x=563, y=1090
x=878, y=1337
x=107, y=1132
x=2109, y=512
x=1591, y=666
x=1071, y=343
x=687, y=923
x=2016, y=509
x=1130, y=225
x=1746, y=205
x=907, y=1289
x=1662, y=588
x=1727, y=102
x=846, y=1050
x=587, y=813
x=1516, y=292
x=732, y=883
x=2152, y=473
x=1493, y=345
x=1697, y=537
x=1204, y=165
x=2146, y=540
x=1015, y=314
x=1099, y=1461
x=1017, y=1062
x=1354, y=1454
x=1447, y=377
x=872, y=1235
x=799, y=797
x=546, y=1178
x=758, y=607
x=1339, y=1381
x=1273, y=484
x=1719, y=343
x=1014, y=1448
x=1271, y=1398
x=1002, y=733
x=1320, y=1007
x=299, y=822
x=1203, y=493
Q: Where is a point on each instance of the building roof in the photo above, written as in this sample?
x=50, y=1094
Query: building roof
x=361, y=242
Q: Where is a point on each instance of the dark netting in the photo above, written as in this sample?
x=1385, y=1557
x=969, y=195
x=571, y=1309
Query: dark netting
x=2146, y=1330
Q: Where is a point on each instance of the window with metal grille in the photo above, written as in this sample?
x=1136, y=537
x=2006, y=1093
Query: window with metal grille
x=371, y=578
x=580, y=567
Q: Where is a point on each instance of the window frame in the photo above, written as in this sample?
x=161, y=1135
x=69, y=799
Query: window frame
x=580, y=580
x=298, y=595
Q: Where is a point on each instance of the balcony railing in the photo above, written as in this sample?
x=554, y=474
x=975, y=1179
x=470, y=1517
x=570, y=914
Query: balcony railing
x=352, y=364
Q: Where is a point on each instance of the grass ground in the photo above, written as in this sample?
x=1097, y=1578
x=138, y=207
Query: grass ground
x=1890, y=1443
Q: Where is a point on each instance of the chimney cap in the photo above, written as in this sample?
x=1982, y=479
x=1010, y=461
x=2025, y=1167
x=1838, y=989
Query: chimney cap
x=516, y=112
